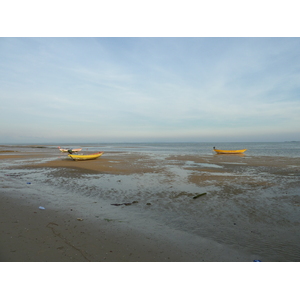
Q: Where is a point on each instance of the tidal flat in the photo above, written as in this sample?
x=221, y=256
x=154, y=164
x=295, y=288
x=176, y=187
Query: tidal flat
x=128, y=206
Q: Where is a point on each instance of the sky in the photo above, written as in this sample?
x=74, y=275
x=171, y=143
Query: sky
x=135, y=89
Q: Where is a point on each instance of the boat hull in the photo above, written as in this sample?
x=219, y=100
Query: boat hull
x=67, y=150
x=76, y=150
x=218, y=151
x=85, y=156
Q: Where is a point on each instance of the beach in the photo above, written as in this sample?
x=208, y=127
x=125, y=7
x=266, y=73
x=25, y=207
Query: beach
x=140, y=207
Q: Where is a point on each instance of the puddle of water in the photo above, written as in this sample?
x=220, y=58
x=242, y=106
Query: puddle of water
x=234, y=163
x=203, y=165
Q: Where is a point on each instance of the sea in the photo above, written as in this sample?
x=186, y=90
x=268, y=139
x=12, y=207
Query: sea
x=257, y=210
x=284, y=149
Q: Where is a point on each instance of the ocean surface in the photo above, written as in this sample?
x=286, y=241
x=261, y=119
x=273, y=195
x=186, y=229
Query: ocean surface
x=285, y=149
x=247, y=207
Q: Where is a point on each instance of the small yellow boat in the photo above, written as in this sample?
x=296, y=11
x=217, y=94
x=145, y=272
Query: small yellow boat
x=85, y=156
x=218, y=151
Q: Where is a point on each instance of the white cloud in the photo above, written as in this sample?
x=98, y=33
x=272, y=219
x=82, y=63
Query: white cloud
x=147, y=88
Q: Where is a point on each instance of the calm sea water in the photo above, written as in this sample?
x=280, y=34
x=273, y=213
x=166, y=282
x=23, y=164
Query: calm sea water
x=291, y=149
x=285, y=149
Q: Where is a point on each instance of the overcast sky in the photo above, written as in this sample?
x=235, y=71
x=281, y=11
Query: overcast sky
x=149, y=89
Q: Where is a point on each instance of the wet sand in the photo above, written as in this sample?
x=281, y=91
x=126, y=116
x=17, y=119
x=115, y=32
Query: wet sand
x=32, y=235
x=65, y=234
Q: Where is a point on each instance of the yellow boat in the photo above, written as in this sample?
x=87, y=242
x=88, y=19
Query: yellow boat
x=85, y=156
x=218, y=151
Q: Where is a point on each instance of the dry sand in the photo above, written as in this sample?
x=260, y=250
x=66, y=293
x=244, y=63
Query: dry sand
x=32, y=234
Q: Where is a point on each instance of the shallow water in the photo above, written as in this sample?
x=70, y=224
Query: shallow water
x=248, y=205
x=285, y=149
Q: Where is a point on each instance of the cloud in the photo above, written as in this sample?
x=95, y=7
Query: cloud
x=148, y=88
